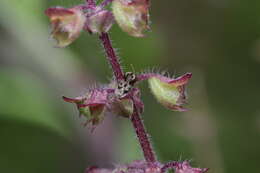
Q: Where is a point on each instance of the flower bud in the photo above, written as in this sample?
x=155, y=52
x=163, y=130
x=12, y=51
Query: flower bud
x=99, y=21
x=132, y=16
x=169, y=92
x=66, y=24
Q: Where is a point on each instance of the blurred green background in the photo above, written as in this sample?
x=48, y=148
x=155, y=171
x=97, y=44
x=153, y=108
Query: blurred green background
x=217, y=40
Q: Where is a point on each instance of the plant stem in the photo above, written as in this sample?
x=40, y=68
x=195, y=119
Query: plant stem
x=135, y=118
x=142, y=136
x=111, y=56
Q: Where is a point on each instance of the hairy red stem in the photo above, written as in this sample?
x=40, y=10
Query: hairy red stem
x=136, y=120
x=143, y=137
x=111, y=56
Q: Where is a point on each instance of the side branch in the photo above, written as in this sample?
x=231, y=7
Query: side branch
x=142, y=137
x=111, y=56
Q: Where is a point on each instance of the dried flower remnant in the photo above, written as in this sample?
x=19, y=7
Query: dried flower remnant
x=132, y=16
x=97, y=102
x=99, y=21
x=122, y=107
x=67, y=23
x=92, y=105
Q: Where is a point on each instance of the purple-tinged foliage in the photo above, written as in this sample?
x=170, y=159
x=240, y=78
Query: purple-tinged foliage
x=67, y=23
x=142, y=166
x=92, y=105
x=97, y=102
x=121, y=96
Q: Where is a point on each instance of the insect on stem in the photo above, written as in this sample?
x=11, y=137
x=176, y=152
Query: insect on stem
x=136, y=120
